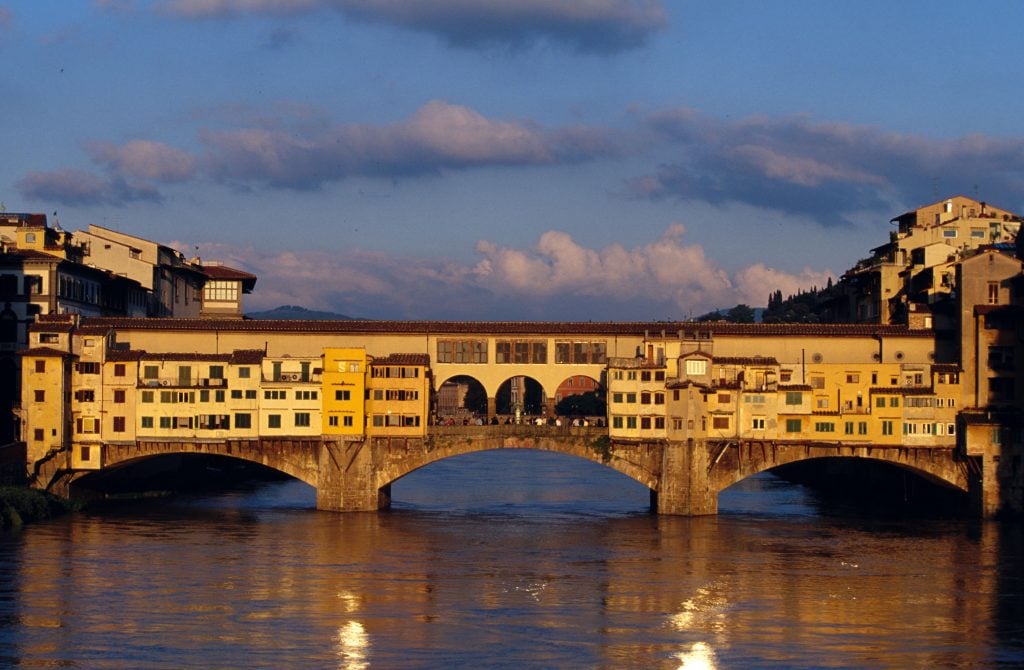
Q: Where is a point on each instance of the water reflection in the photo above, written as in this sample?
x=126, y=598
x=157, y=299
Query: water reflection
x=540, y=579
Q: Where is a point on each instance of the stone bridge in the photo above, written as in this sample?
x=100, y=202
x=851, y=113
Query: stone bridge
x=684, y=477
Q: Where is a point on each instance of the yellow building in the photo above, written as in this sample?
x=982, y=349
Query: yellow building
x=344, y=391
x=398, y=396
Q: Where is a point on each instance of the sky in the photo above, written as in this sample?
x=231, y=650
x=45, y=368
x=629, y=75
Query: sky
x=510, y=159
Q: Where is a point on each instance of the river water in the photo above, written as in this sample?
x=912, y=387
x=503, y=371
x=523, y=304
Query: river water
x=509, y=560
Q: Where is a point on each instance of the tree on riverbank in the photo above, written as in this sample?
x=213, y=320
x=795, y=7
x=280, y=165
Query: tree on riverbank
x=19, y=505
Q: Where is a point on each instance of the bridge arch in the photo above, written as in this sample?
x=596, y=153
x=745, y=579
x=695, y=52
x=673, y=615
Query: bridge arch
x=298, y=458
x=459, y=397
x=580, y=395
x=730, y=463
x=521, y=395
x=642, y=463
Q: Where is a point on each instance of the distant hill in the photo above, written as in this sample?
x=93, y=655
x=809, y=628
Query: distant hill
x=296, y=313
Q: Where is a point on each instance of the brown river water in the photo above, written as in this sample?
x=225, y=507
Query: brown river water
x=509, y=560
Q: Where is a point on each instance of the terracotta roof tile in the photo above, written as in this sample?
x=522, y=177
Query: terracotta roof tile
x=403, y=359
x=554, y=328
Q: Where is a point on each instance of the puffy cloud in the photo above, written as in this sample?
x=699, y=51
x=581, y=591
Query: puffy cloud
x=557, y=279
x=76, y=187
x=599, y=26
x=144, y=159
x=438, y=136
x=828, y=171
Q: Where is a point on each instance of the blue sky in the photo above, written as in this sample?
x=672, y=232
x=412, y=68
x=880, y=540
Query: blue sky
x=510, y=159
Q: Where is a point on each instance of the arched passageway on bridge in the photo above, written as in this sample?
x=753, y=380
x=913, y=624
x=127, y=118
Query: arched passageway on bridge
x=580, y=395
x=460, y=399
x=520, y=481
x=171, y=473
x=838, y=485
x=520, y=397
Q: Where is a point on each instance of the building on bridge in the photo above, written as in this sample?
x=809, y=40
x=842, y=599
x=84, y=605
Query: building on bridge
x=346, y=405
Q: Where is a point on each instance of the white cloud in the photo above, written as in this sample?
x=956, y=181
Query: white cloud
x=558, y=279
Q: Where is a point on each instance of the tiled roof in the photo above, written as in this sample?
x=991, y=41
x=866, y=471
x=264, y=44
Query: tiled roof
x=569, y=328
x=247, y=356
x=902, y=390
x=403, y=359
x=224, y=272
x=946, y=367
x=44, y=351
x=742, y=360
x=117, y=355
x=795, y=387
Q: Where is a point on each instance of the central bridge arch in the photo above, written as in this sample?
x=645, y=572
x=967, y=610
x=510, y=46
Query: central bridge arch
x=397, y=457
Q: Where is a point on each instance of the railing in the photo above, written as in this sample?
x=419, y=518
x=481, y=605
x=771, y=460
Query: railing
x=517, y=430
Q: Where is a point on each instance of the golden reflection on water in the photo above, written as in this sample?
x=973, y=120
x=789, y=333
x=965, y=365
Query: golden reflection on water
x=353, y=647
x=311, y=589
x=698, y=657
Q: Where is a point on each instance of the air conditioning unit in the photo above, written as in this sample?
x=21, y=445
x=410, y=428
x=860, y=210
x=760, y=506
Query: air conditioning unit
x=290, y=376
x=165, y=382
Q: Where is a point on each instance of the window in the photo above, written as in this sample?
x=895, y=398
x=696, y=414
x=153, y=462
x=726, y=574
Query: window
x=302, y=419
x=993, y=293
x=887, y=428
x=146, y=422
x=817, y=382
x=274, y=421
x=243, y=373
x=119, y=395
x=38, y=435
x=645, y=398
x=793, y=425
x=147, y=396
x=616, y=422
x=220, y=291
x=824, y=427
x=119, y=369
x=521, y=351
x=631, y=422
x=720, y=422
x=794, y=398
x=580, y=353
x=89, y=368
x=852, y=378
x=659, y=398
x=243, y=420
x=250, y=394
x=119, y=424
x=40, y=366
x=848, y=428
x=332, y=421
x=204, y=396
x=216, y=372
x=39, y=396
x=862, y=427
x=659, y=423
x=343, y=394
x=462, y=351
x=880, y=401
x=645, y=423
x=696, y=367
x=236, y=394
x=305, y=395
x=757, y=423
x=894, y=402
x=949, y=232
x=724, y=398
x=346, y=421
x=165, y=422
x=150, y=372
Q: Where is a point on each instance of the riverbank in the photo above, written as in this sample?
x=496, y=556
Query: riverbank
x=20, y=505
